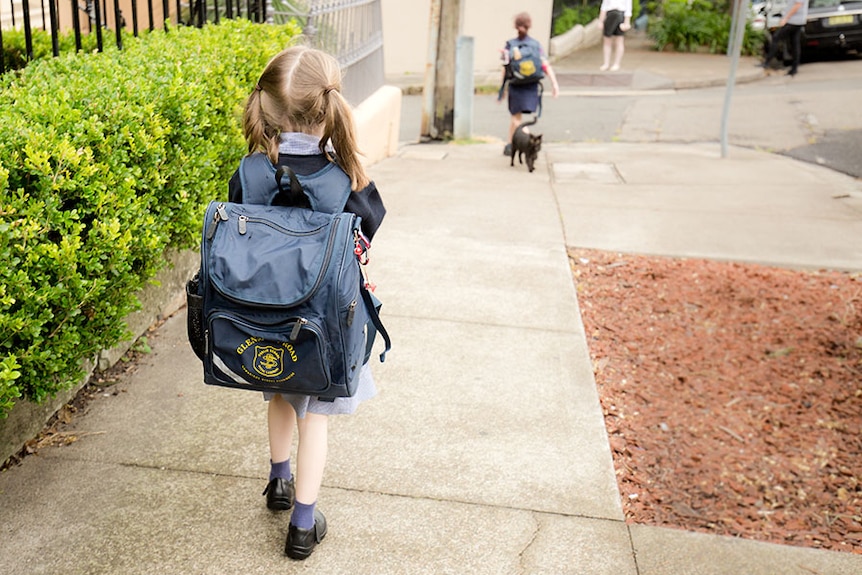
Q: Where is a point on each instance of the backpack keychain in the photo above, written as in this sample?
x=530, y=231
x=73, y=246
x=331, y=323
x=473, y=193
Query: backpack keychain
x=361, y=250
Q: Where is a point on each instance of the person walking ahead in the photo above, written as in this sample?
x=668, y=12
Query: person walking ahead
x=297, y=116
x=791, y=28
x=524, y=98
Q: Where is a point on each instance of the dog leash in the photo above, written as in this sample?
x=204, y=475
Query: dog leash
x=539, y=107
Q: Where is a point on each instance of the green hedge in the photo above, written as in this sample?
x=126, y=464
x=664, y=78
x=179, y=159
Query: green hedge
x=14, y=52
x=107, y=160
x=570, y=17
x=692, y=25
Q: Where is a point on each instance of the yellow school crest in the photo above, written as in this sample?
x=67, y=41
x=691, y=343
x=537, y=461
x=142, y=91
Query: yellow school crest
x=527, y=68
x=268, y=360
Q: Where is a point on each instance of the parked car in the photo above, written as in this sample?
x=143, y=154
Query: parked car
x=757, y=15
x=833, y=25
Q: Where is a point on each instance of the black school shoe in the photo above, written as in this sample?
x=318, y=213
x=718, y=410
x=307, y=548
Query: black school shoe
x=280, y=494
x=301, y=542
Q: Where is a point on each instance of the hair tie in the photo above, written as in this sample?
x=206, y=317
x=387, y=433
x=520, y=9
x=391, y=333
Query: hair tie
x=327, y=91
x=257, y=88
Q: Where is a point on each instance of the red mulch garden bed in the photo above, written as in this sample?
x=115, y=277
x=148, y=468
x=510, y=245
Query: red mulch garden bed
x=732, y=394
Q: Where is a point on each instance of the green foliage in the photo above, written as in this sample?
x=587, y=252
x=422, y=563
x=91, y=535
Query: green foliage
x=571, y=17
x=14, y=52
x=9, y=390
x=693, y=25
x=106, y=160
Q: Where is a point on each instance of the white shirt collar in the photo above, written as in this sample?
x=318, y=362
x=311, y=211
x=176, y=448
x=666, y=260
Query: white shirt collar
x=300, y=144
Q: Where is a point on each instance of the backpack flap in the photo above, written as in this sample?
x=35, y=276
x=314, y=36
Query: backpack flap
x=288, y=257
x=525, y=62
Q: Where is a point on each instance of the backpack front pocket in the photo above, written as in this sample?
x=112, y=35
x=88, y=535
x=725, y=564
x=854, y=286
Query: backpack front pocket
x=289, y=357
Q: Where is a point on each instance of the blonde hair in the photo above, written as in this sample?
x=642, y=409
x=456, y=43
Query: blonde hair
x=300, y=91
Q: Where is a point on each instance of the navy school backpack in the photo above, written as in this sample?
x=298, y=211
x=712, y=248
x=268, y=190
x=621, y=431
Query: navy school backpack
x=280, y=303
x=524, y=65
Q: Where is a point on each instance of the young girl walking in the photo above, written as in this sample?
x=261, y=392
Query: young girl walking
x=297, y=117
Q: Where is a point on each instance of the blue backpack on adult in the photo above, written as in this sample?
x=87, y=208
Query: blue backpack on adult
x=280, y=303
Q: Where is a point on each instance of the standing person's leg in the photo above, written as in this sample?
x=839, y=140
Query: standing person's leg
x=307, y=523
x=796, y=35
x=515, y=106
x=773, y=46
x=311, y=457
x=514, y=122
x=619, y=50
x=281, y=419
x=607, y=48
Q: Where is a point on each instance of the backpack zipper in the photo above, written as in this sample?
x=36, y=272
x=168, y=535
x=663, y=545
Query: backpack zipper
x=220, y=215
x=351, y=311
x=327, y=257
x=294, y=333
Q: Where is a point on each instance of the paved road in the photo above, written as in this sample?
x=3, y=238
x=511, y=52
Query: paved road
x=811, y=117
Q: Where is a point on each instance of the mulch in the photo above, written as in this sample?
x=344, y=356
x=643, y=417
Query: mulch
x=732, y=394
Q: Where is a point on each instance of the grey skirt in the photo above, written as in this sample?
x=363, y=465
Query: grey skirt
x=303, y=404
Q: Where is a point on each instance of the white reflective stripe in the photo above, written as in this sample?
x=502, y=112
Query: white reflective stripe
x=227, y=371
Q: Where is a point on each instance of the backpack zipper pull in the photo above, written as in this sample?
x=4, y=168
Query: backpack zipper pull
x=351, y=311
x=294, y=333
x=220, y=215
x=242, y=225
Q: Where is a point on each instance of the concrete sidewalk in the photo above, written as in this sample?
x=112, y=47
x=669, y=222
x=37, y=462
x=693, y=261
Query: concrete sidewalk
x=485, y=451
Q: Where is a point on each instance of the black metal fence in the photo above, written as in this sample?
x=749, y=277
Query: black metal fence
x=351, y=30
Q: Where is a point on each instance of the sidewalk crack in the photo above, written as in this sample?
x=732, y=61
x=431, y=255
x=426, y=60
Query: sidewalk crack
x=633, y=549
x=523, y=567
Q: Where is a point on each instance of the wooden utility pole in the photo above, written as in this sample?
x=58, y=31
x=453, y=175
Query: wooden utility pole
x=425, y=130
x=439, y=89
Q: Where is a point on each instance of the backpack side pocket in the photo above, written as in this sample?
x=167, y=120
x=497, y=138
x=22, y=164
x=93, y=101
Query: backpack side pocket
x=195, y=317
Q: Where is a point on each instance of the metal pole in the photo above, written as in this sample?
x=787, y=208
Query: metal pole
x=732, y=34
x=99, y=46
x=76, y=24
x=55, y=31
x=28, y=33
x=463, y=119
x=118, y=23
x=736, y=41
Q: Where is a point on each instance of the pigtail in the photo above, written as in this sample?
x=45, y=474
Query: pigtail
x=339, y=129
x=258, y=134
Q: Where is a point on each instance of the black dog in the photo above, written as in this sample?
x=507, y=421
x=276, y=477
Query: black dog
x=526, y=144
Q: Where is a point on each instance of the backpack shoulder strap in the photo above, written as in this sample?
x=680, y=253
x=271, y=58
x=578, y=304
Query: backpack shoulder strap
x=328, y=189
x=257, y=177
